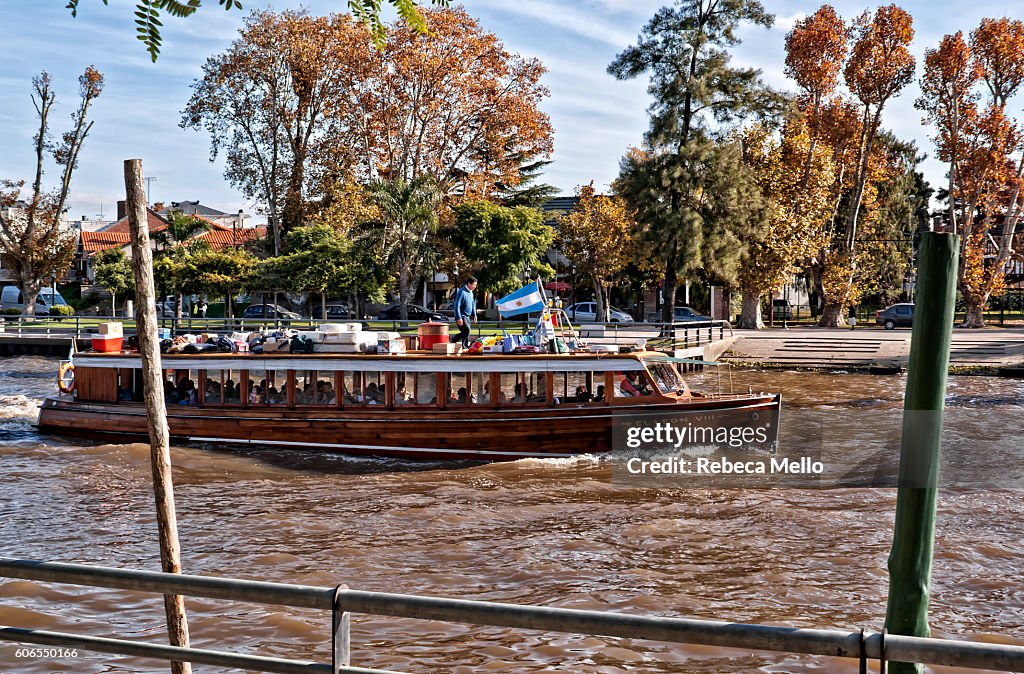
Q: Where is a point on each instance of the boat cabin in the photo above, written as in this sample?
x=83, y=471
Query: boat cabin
x=405, y=382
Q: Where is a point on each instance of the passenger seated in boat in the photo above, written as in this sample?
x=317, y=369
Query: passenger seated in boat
x=487, y=394
x=461, y=397
x=231, y=392
x=599, y=396
x=628, y=387
x=583, y=395
x=520, y=396
x=327, y=396
x=124, y=394
x=373, y=394
x=403, y=397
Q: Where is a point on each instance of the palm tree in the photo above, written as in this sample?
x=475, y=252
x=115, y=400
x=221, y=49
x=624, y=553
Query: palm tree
x=179, y=240
x=407, y=217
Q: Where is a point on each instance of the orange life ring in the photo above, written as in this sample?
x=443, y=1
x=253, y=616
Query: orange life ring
x=66, y=377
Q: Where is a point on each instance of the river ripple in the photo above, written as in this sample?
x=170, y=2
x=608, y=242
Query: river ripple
x=553, y=533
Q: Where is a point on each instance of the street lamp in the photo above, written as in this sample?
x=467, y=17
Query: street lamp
x=573, y=292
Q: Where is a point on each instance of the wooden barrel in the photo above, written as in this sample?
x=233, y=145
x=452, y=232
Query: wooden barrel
x=431, y=334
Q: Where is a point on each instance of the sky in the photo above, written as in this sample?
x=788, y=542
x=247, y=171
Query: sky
x=595, y=117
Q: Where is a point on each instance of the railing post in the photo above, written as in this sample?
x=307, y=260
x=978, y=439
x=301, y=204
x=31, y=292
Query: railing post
x=341, y=642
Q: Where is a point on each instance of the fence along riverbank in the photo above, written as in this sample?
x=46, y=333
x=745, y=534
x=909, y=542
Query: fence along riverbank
x=341, y=601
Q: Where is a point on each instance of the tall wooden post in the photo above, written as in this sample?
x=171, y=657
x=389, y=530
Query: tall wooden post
x=156, y=412
x=910, y=561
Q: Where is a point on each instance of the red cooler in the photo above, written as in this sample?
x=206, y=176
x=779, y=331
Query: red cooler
x=106, y=343
x=431, y=334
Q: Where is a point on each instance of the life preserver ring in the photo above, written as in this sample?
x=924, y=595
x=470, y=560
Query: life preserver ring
x=66, y=378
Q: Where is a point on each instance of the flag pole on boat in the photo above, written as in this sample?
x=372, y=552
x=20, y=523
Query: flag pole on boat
x=156, y=411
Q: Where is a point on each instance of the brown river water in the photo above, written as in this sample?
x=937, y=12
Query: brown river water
x=551, y=532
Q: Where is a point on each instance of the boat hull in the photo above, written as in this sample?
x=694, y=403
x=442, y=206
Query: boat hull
x=473, y=434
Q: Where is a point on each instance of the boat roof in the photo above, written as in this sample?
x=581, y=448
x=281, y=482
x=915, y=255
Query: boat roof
x=408, y=362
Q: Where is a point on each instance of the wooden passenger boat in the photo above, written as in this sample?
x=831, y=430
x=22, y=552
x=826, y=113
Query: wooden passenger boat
x=489, y=407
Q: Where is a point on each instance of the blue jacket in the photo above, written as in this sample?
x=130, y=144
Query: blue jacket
x=465, y=305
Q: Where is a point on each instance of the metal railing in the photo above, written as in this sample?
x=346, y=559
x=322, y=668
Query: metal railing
x=342, y=602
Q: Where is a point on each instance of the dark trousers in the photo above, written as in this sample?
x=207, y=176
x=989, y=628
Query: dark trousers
x=463, y=335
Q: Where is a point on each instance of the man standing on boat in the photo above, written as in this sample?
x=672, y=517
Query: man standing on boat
x=465, y=310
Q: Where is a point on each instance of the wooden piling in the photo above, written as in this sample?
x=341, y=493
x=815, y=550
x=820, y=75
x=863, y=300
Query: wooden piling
x=910, y=561
x=153, y=394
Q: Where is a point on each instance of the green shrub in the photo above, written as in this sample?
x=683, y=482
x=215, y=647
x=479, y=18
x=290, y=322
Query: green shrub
x=62, y=310
x=11, y=312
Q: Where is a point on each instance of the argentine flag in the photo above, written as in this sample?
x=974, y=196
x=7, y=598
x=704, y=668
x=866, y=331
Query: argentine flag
x=523, y=301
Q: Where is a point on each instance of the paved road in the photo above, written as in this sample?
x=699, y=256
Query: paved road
x=870, y=346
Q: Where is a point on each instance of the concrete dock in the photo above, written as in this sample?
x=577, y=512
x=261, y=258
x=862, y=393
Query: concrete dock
x=870, y=346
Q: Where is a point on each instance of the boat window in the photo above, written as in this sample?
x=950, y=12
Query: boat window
x=666, y=377
x=404, y=387
x=468, y=388
x=523, y=388
x=180, y=387
x=631, y=384
x=213, y=388
x=258, y=388
x=315, y=388
x=364, y=388
x=485, y=392
x=578, y=387
x=424, y=390
x=232, y=387
x=128, y=386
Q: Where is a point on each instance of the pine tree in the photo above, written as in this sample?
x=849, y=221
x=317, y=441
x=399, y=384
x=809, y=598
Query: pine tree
x=670, y=181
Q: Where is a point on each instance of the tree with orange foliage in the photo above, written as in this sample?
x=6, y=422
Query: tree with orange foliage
x=597, y=236
x=815, y=51
x=879, y=67
x=949, y=102
x=303, y=107
x=979, y=142
x=456, y=106
x=796, y=202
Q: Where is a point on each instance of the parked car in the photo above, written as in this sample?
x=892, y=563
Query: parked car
x=269, y=311
x=335, y=312
x=680, y=315
x=782, y=309
x=11, y=298
x=587, y=311
x=897, y=315
x=392, y=312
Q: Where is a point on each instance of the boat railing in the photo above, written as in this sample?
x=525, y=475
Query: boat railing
x=657, y=336
x=342, y=602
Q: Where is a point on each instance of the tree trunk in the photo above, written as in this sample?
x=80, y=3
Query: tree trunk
x=750, y=312
x=832, y=316
x=975, y=317
x=600, y=316
x=668, y=290
x=403, y=293
x=156, y=412
x=323, y=306
x=30, y=292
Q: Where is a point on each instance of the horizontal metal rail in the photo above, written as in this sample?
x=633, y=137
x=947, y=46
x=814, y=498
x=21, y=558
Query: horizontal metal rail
x=201, y=656
x=837, y=643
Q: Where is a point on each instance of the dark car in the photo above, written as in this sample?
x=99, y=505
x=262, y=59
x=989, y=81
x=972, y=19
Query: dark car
x=269, y=311
x=334, y=312
x=898, y=315
x=416, y=313
x=680, y=315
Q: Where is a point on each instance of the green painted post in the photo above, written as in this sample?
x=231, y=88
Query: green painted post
x=910, y=561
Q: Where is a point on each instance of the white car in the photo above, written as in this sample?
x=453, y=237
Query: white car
x=587, y=311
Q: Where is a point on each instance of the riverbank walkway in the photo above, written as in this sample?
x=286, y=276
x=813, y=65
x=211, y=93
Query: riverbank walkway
x=870, y=346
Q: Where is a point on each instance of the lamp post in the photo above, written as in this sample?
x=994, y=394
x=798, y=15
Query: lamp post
x=573, y=292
